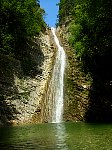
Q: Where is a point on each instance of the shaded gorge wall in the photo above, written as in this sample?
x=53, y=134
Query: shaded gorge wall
x=86, y=98
x=77, y=84
x=23, y=82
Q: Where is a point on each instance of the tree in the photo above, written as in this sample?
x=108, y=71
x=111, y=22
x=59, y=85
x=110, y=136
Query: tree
x=19, y=21
x=91, y=38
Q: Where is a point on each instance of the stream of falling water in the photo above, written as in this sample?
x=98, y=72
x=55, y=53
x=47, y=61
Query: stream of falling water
x=55, y=90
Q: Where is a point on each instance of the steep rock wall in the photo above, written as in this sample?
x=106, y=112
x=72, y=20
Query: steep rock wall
x=77, y=84
x=22, y=96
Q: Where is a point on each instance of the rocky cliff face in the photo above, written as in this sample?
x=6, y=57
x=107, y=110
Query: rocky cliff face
x=22, y=95
x=77, y=84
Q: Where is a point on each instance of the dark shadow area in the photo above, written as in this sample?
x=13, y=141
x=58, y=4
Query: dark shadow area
x=100, y=98
x=31, y=57
x=98, y=62
x=5, y=134
x=26, y=62
x=100, y=104
x=8, y=67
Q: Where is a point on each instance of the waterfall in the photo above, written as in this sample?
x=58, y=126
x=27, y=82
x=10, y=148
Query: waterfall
x=58, y=81
x=55, y=90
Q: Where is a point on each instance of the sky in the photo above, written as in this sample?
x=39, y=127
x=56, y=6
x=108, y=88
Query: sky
x=51, y=10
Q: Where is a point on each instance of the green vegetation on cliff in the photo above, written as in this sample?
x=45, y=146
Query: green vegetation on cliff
x=91, y=37
x=21, y=55
x=19, y=21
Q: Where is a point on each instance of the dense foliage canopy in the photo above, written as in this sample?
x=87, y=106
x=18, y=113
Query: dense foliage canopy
x=90, y=27
x=19, y=21
x=91, y=33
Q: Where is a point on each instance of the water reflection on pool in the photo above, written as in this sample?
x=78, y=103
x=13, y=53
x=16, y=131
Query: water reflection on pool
x=61, y=137
x=64, y=136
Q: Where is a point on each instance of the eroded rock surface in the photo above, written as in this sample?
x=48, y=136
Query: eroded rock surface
x=22, y=95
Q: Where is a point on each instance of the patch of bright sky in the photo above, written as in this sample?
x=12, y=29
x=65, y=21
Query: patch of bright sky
x=51, y=10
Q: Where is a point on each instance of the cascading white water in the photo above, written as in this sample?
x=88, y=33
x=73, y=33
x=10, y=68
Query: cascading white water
x=55, y=90
x=58, y=77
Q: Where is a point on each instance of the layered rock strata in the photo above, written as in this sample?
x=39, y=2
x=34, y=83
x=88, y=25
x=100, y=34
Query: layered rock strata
x=21, y=96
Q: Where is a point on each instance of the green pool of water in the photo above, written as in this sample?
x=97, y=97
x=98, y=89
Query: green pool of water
x=64, y=136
